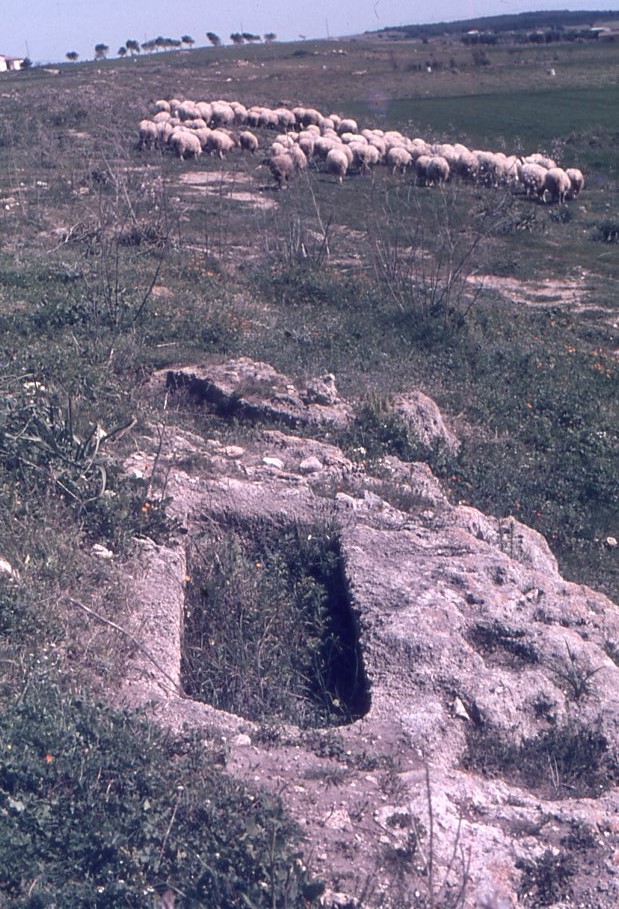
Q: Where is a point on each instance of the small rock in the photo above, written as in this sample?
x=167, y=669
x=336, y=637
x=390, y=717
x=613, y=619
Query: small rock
x=7, y=568
x=310, y=465
x=102, y=552
x=241, y=740
x=233, y=451
x=611, y=542
x=460, y=710
x=273, y=462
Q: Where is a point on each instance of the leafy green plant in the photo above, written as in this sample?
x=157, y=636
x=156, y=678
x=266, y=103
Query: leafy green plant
x=100, y=809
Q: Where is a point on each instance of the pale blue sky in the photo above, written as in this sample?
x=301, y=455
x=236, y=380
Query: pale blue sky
x=46, y=29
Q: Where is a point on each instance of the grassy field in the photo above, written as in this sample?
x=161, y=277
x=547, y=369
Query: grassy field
x=114, y=261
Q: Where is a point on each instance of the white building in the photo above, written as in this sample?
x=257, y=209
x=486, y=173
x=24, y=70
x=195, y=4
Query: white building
x=10, y=63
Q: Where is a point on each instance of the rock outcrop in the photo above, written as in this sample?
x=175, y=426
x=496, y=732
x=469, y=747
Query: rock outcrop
x=484, y=770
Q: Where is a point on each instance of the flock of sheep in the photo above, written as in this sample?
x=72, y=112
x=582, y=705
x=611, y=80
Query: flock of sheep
x=335, y=144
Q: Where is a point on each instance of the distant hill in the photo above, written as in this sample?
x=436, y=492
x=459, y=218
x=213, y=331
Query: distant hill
x=517, y=22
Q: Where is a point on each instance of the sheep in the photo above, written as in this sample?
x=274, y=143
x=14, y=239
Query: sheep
x=557, y=185
x=285, y=118
x=543, y=160
x=298, y=157
x=248, y=142
x=577, y=181
x=466, y=165
x=220, y=143
x=347, y=125
x=187, y=111
x=162, y=116
x=431, y=169
x=532, y=177
x=337, y=163
x=398, y=159
x=205, y=110
x=282, y=168
x=222, y=115
x=148, y=133
x=161, y=106
x=364, y=156
x=306, y=143
x=240, y=113
x=185, y=143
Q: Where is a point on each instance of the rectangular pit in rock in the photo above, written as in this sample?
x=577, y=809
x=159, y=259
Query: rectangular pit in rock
x=269, y=631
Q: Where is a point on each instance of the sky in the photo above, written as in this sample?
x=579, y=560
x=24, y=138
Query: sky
x=45, y=30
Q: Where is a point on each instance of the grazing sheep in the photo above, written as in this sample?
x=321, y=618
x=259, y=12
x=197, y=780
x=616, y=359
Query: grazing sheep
x=248, y=142
x=161, y=106
x=282, y=168
x=347, y=125
x=187, y=111
x=337, y=163
x=557, y=185
x=220, y=143
x=205, y=110
x=577, y=181
x=398, y=159
x=162, y=116
x=185, y=143
x=222, y=115
x=364, y=156
x=532, y=177
x=148, y=133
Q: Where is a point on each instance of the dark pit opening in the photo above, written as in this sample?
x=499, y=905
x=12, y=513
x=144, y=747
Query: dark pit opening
x=269, y=630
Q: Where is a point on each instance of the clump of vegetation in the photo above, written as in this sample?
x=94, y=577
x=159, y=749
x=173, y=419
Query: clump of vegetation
x=571, y=760
x=269, y=633
x=100, y=809
x=546, y=880
x=607, y=231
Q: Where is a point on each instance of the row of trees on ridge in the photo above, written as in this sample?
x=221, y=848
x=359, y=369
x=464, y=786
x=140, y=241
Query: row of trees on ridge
x=132, y=47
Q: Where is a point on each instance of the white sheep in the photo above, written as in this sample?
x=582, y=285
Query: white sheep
x=398, y=159
x=282, y=168
x=248, y=142
x=532, y=177
x=347, y=125
x=557, y=185
x=148, y=133
x=337, y=163
x=577, y=181
x=220, y=143
x=185, y=143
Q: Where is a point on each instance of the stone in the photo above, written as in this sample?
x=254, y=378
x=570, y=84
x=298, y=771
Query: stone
x=425, y=420
x=310, y=465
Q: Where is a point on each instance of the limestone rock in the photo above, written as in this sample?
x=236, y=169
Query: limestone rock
x=425, y=419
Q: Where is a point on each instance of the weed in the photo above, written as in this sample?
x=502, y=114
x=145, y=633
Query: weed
x=546, y=880
x=575, y=676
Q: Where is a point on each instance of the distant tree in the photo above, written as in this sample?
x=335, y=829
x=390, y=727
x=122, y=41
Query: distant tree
x=270, y=37
x=101, y=51
x=122, y=51
x=188, y=40
x=159, y=42
x=251, y=39
x=148, y=46
x=132, y=46
x=237, y=38
x=26, y=63
x=72, y=56
x=214, y=39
